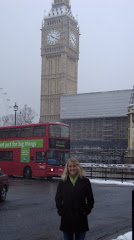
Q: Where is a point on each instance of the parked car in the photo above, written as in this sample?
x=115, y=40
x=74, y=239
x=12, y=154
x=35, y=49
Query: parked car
x=4, y=183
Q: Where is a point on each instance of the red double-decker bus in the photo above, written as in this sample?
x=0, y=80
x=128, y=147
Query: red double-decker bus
x=35, y=150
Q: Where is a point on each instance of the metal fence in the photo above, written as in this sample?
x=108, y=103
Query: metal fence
x=107, y=173
x=117, y=172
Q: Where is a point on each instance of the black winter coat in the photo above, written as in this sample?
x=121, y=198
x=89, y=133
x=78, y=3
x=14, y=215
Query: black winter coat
x=74, y=203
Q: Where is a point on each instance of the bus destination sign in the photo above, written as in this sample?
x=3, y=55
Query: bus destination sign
x=59, y=143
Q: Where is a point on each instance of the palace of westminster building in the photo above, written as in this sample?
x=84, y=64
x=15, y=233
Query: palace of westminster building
x=99, y=120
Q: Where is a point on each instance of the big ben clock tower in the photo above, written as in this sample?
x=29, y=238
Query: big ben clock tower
x=60, y=54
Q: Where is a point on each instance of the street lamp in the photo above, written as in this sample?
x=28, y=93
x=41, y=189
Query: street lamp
x=15, y=109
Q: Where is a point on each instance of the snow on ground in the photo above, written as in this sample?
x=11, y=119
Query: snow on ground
x=100, y=181
x=107, y=165
x=126, y=236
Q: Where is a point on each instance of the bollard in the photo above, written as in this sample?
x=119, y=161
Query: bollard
x=91, y=172
x=122, y=175
x=105, y=174
x=132, y=214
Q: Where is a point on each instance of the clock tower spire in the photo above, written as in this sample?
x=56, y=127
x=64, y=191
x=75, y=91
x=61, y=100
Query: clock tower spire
x=60, y=54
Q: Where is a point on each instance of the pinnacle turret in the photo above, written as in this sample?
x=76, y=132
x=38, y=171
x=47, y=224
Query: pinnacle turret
x=60, y=8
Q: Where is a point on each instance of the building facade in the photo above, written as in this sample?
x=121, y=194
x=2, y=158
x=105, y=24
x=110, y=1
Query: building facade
x=98, y=125
x=60, y=54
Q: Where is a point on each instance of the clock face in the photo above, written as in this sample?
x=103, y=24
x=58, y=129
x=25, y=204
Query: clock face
x=73, y=39
x=53, y=37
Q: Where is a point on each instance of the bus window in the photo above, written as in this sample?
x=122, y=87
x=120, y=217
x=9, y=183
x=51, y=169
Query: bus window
x=58, y=131
x=27, y=132
x=65, y=132
x=39, y=131
x=40, y=157
x=15, y=132
x=4, y=133
x=67, y=156
x=54, y=130
x=57, y=157
x=6, y=155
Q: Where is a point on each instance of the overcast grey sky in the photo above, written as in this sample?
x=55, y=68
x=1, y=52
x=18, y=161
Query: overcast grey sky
x=106, y=60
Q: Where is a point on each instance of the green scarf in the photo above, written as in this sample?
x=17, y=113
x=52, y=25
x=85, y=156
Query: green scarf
x=73, y=180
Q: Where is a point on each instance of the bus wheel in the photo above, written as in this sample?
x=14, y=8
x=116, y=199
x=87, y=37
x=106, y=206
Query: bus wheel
x=27, y=173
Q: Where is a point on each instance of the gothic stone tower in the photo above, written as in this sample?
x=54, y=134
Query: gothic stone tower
x=60, y=54
x=130, y=153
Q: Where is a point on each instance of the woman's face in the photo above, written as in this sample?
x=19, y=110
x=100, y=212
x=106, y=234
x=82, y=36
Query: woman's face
x=72, y=169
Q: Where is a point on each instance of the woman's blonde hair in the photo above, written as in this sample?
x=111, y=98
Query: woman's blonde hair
x=66, y=172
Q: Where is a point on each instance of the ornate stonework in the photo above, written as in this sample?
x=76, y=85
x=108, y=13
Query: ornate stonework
x=130, y=150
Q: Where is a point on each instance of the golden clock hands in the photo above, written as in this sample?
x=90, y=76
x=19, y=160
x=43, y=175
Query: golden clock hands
x=53, y=37
x=73, y=39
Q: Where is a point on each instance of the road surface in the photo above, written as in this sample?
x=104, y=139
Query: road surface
x=29, y=212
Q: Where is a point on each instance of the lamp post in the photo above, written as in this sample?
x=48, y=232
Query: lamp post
x=15, y=110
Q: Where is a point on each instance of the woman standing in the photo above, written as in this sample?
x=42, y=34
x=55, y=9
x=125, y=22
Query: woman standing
x=74, y=201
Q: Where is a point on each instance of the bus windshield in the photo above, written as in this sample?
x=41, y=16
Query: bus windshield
x=58, y=131
x=57, y=157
